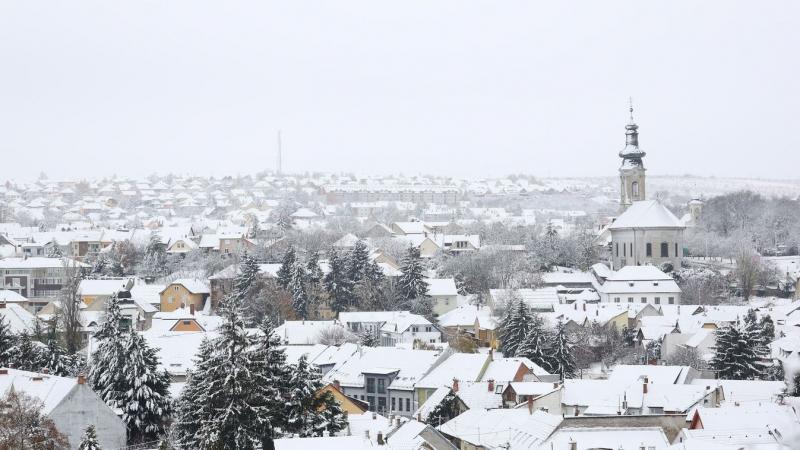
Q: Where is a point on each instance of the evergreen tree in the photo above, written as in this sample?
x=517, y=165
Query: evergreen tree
x=287, y=264
x=738, y=353
x=57, y=360
x=27, y=354
x=313, y=271
x=461, y=284
x=560, y=357
x=304, y=404
x=369, y=291
x=106, y=374
x=297, y=287
x=446, y=410
x=89, y=440
x=337, y=284
x=272, y=376
x=514, y=327
x=767, y=327
x=191, y=408
x=237, y=419
x=412, y=282
x=368, y=338
x=155, y=257
x=243, y=285
x=7, y=342
x=145, y=403
x=533, y=346
x=357, y=261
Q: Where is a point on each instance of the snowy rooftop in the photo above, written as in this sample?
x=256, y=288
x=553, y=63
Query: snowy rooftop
x=646, y=214
x=464, y=366
x=50, y=389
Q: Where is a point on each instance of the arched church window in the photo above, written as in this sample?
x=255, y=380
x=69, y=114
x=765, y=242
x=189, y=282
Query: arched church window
x=635, y=189
x=664, y=250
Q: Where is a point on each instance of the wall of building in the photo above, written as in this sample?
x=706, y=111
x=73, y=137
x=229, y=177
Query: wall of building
x=176, y=295
x=638, y=239
x=81, y=408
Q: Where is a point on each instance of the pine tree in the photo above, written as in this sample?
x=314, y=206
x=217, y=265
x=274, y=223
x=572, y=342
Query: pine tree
x=412, y=281
x=560, y=357
x=297, y=287
x=313, y=271
x=305, y=404
x=145, y=403
x=155, y=257
x=287, y=264
x=514, y=327
x=191, y=408
x=533, y=346
x=27, y=354
x=368, y=338
x=357, y=261
x=767, y=327
x=243, y=284
x=738, y=353
x=337, y=284
x=7, y=342
x=57, y=360
x=461, y=284
x=106, y=368
x=89, y=440
x=446, y=409
x=237, y=419
x=272, y=376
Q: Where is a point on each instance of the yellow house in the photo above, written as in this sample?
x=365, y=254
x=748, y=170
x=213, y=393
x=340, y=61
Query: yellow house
x=349, y=405
x=184, y=292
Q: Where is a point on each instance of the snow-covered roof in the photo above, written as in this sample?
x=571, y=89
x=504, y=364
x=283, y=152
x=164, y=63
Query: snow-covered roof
x=464, y=366
x=466, y=315
x=50, y=389
x=101, y=287
x=193, y=285
x=651, y=438
x=504, y=370
x=326, y=442
x=7, y=296
x=496, y=428
x=305, y=332
x=409, y=364
x=646, y=214
x=17, y=318
x=438, y=287
x=626, y=374
x=37, y=262
x=744, y=391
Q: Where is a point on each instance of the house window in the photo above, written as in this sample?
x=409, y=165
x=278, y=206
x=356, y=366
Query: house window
x=415, y=329
x=644, y=299
x=630, y=299
x=676, y=249
x=394, y=405
x=170, y=300
x=664, y=250
x=370, y=385
x=616, y=299
x=175, y=288
x=428, y=329
x=648, y=248
x=187, y=322
x=381, y=386
x=616, y=246
x=657, y=300
x=624, y=250
x=671, y=300
x=408, y=405
x=382, y=404
x=635, y=189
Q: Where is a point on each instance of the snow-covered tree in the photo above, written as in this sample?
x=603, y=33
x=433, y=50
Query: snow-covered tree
x=57, y=361
x=145, y=403
x=305, y=403
x=271, y=374
x=446, y=409
x=337, y=283
x=534, y=345
x=7, y=341
x=154, y=263
x=368, y=338
x=357, y=260
x=287, y=265
x=412, y=282
x=514, y=327
x=738, y=353
x=313, y=271
x=244, y=286
x=106, y=374
x=27, y=354
x=461, y=285
x=560, y=358
x=297, y=287
x=191, y=408
x=89, y=440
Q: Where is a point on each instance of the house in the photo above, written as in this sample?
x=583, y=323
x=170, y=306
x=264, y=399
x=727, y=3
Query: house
x=184, y=292
x=384, y=377
x=95, y=293
x=756, y=425
x=443, y=294
x=477, y=321
x=181, y=246
x=70, y=403
x=307, y=332
x=460, y=243
x=460, y=366
x=392, y=327
x=38, y=279
x=348, y=404
x=17, y=318
x=641, y=284
x=500, y=428
x=539, y=300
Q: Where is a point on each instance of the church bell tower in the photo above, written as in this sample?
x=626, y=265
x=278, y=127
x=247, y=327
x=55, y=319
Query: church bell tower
x=631, y=173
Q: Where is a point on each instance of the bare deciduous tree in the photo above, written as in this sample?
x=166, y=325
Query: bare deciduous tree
x=68, y=315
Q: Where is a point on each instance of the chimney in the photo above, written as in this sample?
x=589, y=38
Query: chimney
x=455, y=384
x=374, y=416
x=81, y=379
x=45, y=370
x=491, y=354
x=555, y=385
x=575, y=305
x=491, y=385
x=584, y=306
x=530, y=404
x=644, y=386
x=337, y=385
x=573, y=445
x=397, y=421
x=380, y=437
x=191, y=308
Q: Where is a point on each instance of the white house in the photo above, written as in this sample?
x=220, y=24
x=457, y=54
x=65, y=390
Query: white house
x=640, y=284
x=443, y=293
x=392, y=327
x=70, y=403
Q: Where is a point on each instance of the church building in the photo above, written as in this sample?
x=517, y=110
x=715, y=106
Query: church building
x=646, y=232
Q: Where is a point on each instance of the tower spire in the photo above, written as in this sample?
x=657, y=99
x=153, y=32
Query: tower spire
x=632, y=171
x=630, y=107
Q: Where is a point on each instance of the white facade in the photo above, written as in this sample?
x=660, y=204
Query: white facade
x=646, y=233
x=641, y=284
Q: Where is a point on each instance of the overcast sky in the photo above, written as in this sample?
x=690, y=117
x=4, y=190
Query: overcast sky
x=464, y=88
